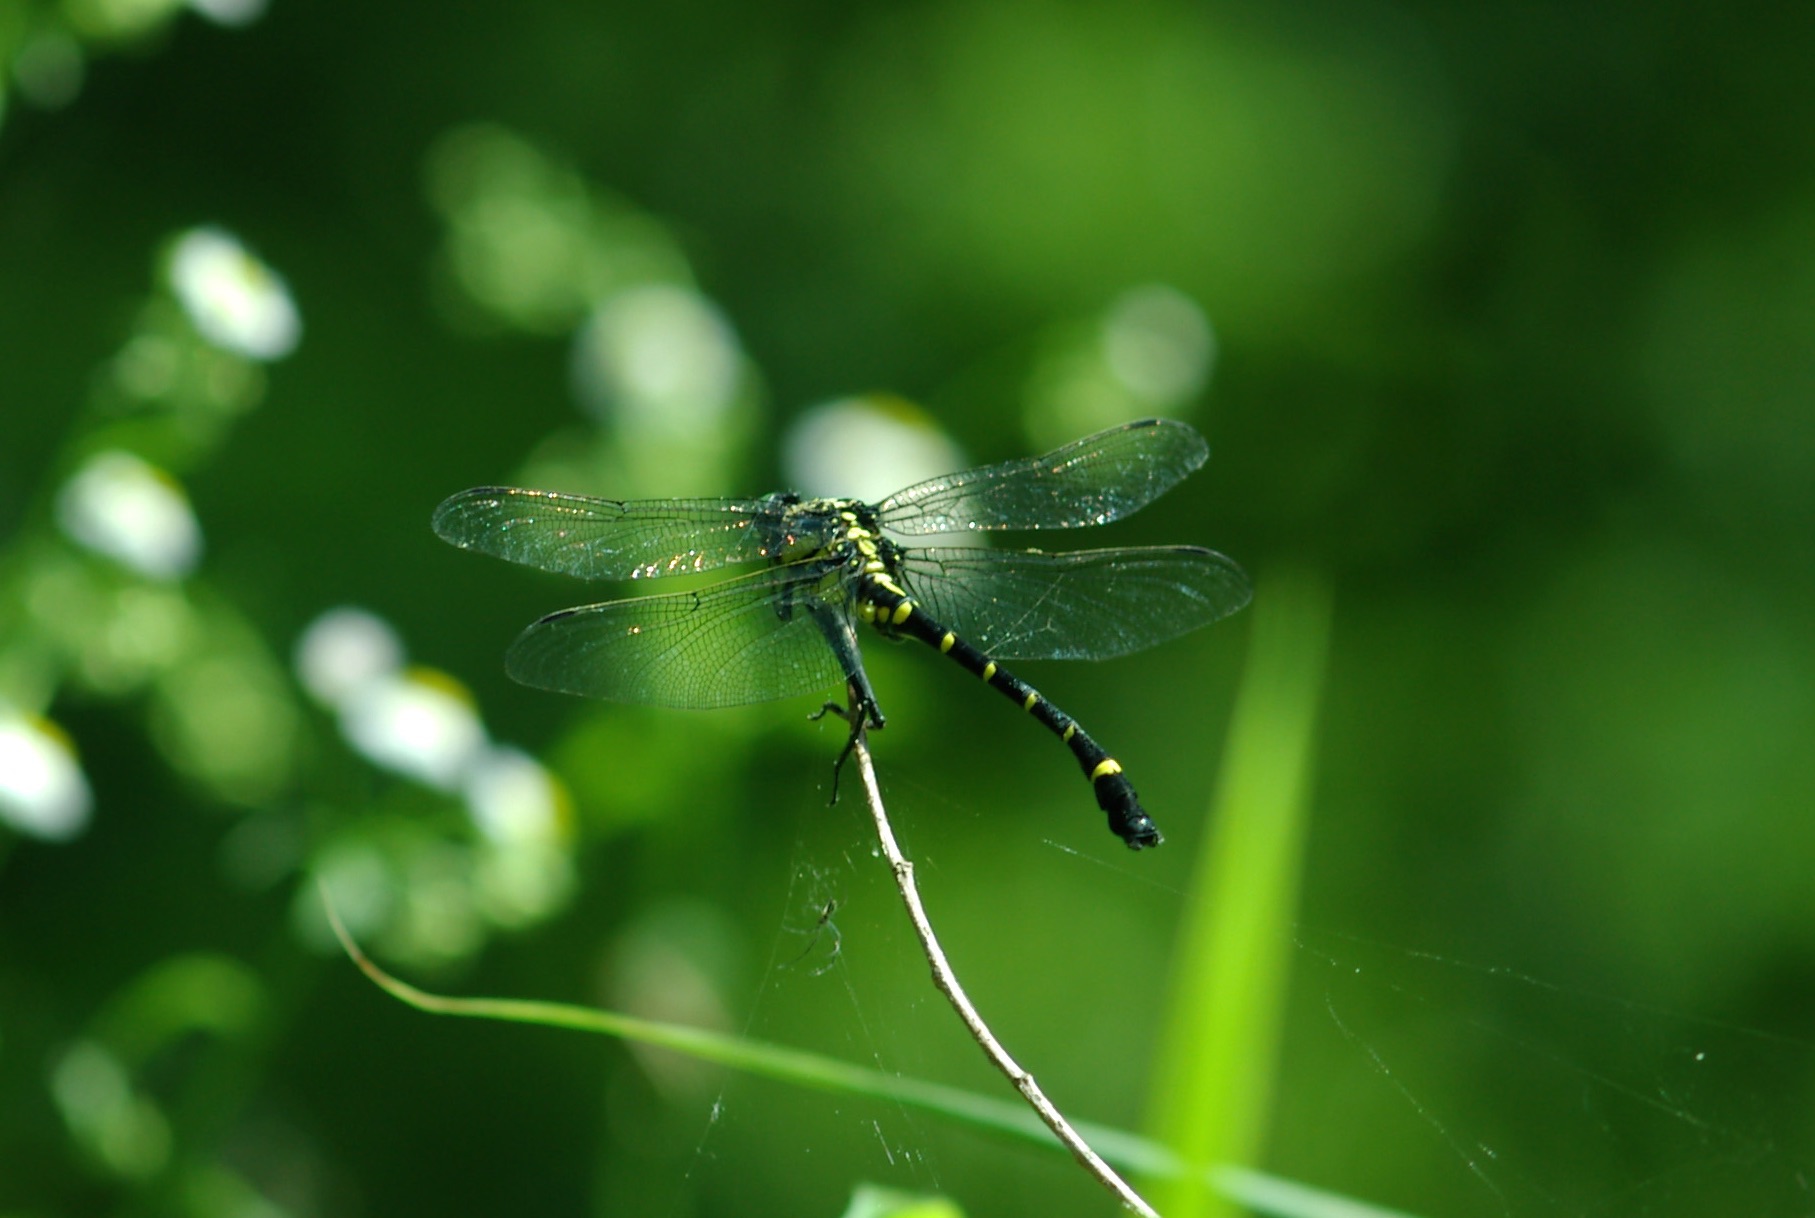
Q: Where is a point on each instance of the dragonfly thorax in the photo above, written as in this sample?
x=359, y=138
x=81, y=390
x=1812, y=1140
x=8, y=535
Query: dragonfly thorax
x=859, y=565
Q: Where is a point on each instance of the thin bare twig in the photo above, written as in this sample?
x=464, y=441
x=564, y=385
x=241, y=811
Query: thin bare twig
x=947, y=981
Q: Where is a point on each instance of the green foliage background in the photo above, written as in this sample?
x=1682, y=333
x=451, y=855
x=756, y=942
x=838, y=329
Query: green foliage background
x=1514, y=311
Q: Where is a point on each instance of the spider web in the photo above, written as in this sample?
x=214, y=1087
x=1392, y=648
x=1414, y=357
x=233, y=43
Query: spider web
x=1640, y=1109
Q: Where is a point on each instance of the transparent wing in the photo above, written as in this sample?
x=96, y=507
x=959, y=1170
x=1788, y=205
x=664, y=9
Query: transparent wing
x=1089, y=481
x=751, y=639
x=603, y=538
x=1088, y=605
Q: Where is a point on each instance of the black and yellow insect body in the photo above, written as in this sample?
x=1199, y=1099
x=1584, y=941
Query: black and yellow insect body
x=830, y=567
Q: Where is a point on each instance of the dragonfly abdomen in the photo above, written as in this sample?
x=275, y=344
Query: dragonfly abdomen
x=894, y=613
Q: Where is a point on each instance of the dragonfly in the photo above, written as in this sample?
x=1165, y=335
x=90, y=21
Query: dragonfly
x=829, y=570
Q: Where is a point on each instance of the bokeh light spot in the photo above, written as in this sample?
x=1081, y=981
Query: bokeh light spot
x=528, y=242
x=125, y=1133
x=225, y=719
x=119, y=19
x=1159, y=344
x=658, y=357
x=147, y=367
x=514, y=798
x=231, y=13
x=49, y=69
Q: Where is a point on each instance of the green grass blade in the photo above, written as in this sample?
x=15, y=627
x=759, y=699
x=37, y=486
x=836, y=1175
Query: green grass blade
x=1213, y=1077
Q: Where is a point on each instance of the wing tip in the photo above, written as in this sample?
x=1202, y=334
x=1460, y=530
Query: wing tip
x=1192, y=447
x=449, y=513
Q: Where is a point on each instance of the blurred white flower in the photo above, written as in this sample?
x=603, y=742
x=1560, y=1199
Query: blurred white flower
x=418, y=722
x=42, y=791
x=660, y=356
x=132, y=512
x=235, y=301
x=343, y=651
x=865, y=447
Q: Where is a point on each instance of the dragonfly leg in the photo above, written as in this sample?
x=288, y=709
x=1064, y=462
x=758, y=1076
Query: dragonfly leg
x=862, y=714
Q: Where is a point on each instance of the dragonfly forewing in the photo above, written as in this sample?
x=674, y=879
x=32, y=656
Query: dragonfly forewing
x=604, y=538
x=1087, y=482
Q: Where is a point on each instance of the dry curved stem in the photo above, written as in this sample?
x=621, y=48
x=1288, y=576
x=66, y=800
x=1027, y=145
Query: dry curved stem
x=947, y=982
